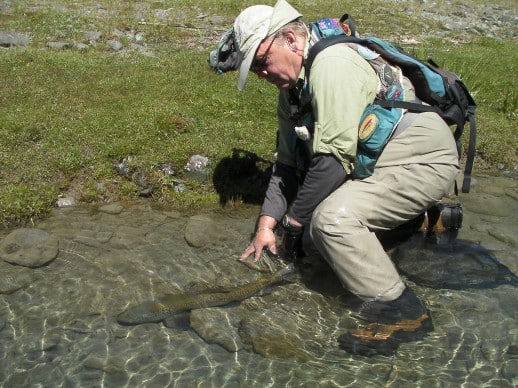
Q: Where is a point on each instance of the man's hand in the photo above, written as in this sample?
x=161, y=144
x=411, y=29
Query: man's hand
x=264, y=239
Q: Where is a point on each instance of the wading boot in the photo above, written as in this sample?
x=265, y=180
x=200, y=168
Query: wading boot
x=387, y=325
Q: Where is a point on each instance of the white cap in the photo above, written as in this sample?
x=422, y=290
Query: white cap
x=253, y=25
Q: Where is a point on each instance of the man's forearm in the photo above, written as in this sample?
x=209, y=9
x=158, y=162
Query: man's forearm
x=281, y=191
x=324, y=176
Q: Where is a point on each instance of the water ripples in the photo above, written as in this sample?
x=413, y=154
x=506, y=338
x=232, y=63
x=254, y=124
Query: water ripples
x=58, y=327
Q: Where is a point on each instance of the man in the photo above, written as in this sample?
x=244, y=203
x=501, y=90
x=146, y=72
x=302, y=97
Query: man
x=312, y=185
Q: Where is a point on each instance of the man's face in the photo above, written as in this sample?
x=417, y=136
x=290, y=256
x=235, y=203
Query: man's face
x=276, y=62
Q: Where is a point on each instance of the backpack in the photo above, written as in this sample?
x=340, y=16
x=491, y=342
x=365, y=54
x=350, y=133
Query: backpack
x=443, y=90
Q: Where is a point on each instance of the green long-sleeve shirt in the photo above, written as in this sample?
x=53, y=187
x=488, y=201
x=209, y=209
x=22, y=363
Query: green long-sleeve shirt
x=342, y=84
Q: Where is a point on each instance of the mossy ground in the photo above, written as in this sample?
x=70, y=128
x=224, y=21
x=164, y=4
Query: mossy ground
x=68, y=116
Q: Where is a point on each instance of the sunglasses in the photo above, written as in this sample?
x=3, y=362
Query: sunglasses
x=260, y=64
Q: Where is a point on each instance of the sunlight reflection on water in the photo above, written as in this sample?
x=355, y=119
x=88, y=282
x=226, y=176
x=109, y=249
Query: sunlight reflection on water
x=59, y=329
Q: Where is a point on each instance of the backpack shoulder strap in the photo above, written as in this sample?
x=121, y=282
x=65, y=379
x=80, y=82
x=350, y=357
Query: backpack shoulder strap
x=325, y=43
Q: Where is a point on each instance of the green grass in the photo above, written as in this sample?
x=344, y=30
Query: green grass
x=68, y=116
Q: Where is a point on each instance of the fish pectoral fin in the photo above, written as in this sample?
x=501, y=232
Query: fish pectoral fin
x=179, y=321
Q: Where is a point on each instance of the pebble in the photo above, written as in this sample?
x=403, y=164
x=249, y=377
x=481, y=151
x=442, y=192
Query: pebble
x=66, y=202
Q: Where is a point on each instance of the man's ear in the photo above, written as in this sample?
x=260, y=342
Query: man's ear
x=291, y=40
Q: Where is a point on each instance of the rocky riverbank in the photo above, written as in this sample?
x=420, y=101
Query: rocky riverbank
x=438, y=18
x=59, y=149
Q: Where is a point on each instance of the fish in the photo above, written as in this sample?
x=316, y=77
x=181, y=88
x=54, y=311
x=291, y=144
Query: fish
x=171, y=304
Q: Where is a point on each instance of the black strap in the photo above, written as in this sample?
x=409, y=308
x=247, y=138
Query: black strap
x=466, y=183
x=348, y=20
x=417, y=107
x=323, y=44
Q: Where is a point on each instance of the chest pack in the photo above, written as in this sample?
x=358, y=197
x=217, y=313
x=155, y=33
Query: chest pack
x=441, y=91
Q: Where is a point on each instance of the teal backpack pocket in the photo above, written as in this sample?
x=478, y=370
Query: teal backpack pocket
x=377, y=125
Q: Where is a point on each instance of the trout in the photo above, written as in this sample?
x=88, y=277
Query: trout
x=168, y=305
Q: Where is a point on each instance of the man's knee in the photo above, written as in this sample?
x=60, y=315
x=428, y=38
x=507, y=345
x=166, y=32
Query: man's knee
x=322, y=217
x=330, y=218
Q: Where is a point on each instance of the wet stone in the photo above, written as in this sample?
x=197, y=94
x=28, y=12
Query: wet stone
x=200, y=231
x=510, y=369
x=512, y=350
x=272, y=339
x=513, y=193
x=51, y=340
x=29, y=247
x=107, y=366
x=217, y=326
x=456, y=264
x=487, y=204
x=92, y=238
x=504, y=234
x=113, y=208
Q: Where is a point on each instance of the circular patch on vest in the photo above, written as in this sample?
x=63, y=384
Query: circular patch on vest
x=367, y=126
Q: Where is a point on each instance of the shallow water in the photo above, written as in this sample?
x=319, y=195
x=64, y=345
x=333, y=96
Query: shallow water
x=58, y=327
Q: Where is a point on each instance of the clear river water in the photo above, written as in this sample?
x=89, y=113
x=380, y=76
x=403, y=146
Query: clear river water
x=58, y=326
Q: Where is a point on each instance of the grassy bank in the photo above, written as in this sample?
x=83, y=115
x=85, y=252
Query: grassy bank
x=67, y=117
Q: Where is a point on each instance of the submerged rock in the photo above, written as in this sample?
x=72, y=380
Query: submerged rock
x=271, y=337
x=14, y=278
x=200, y=231
x=218, y=326
x=112, y=208
x=29, y=247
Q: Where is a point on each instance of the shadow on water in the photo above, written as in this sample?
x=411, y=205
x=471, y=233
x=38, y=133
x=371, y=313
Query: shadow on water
x=442, y=262
x=242, y=176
